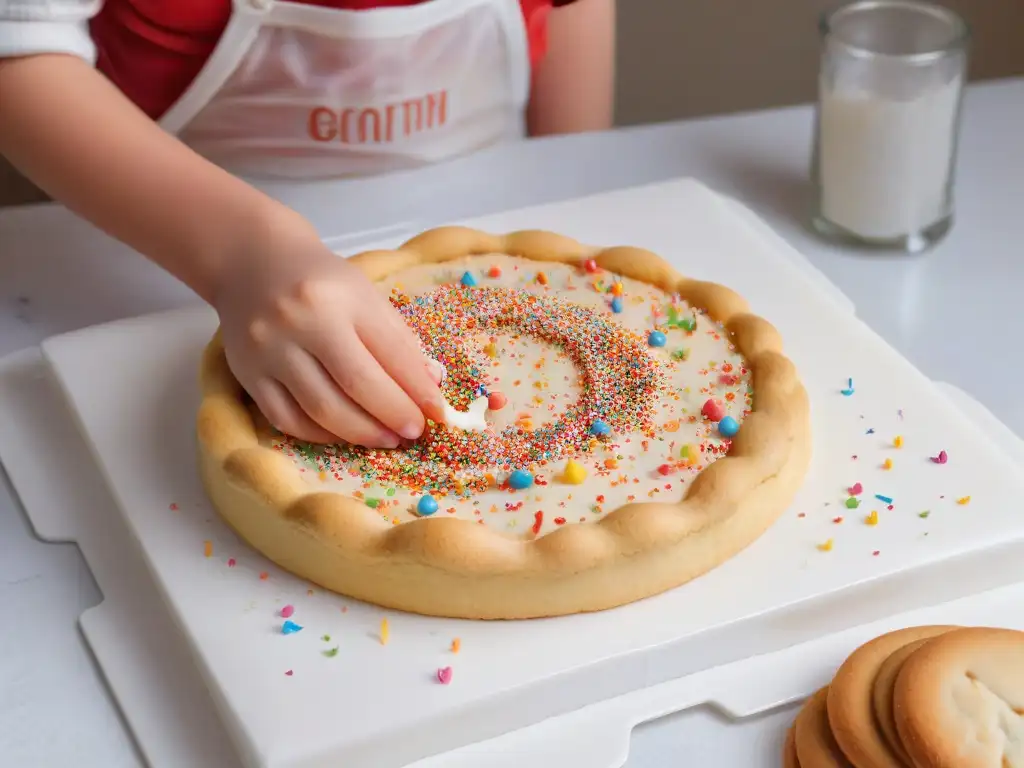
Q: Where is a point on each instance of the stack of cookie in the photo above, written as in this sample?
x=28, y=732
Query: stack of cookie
x=921, y=697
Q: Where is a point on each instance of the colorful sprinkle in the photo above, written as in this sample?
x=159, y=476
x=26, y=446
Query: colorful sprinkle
x=883, y=499
x=444, y=675
x=826, y=546
x=496, y=401
x=590, y=266
x=897, y=442
x=887, y=464
x=871, y=519
x=856, y=489
x=942, y=458
x=728, y=427
x=520, y=479
x=713, y=410
x=574, y=473
x=617, y=305
x=385, y=632
x=330, y=653
x=287, y=612
x=290, y=627
x=656, y=339
x=849, y=388
x=494, y=271
x=426, y=506
x=232, y=562
x=600, y=429
x=924, y=515
x=852, y=503
x=208, y=548
x=963, y=500
x=468, y=280
x=456, y=645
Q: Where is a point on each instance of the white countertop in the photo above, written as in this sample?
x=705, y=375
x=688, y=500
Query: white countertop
x=58, y=274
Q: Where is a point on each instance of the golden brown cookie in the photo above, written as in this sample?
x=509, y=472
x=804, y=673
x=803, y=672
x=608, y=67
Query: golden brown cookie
x=881, y=696
x=789, y=758
x=959, y=700
x=815, y=746
x=850, y=712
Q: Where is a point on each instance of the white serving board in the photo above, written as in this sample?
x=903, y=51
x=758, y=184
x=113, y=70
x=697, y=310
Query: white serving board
x=173, y=719
x=132, y=386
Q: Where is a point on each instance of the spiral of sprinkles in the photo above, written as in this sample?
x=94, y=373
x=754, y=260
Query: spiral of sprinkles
x=619, y=380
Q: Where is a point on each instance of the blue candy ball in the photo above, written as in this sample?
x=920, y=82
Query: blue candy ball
x=520, y=479
x=468, y=280
x=656, y=339
x=728, y=426
x=600, y=429
x=426, y=506
x=617, y=304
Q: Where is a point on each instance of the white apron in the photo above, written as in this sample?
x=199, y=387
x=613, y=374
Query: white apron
x=300, y=91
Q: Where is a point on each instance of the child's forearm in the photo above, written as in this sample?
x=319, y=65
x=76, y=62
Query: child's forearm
x=78, y=138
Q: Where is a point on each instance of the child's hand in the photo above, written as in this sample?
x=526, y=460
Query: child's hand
x=320, y=349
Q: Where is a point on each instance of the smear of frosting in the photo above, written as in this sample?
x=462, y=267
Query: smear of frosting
x=472, y=420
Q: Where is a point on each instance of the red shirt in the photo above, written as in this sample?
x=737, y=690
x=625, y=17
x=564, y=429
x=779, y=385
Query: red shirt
x=153, y=49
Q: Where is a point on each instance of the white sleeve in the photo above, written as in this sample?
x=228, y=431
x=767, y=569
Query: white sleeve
x=29, y=27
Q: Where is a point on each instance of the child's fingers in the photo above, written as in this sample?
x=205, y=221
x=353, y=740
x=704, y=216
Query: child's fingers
x=395, y=348
x=327, y=405
x=361, y=377
x=284, y=413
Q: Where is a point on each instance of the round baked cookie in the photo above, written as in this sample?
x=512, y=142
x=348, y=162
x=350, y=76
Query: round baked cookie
x=850, y=711
x=881, y=696
x=959, y=700
x=789, y=757
x=639, y=428
x=815, y=745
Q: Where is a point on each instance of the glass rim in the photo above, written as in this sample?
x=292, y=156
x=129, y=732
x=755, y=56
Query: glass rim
x=960, y=31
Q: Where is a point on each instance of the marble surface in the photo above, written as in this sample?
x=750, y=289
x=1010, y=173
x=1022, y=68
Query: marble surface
x=59, y=274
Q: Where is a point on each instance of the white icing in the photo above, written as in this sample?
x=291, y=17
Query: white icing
x=472, y=420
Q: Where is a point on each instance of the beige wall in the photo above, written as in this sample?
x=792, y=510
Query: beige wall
x=685, y=58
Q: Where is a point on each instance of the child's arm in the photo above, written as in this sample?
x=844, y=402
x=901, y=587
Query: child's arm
x=573, y=87
x=321, y=352
x=80, y=140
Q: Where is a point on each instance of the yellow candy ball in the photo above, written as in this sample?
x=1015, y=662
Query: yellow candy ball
x=574, y=473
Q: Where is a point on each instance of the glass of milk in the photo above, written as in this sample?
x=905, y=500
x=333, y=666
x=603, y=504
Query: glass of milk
x=890, y=86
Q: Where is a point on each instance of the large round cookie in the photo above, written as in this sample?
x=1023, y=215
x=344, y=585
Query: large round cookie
x=664, y=499
x=959, y=700
x=815, y=745
x=850, y=710
x=881, y=696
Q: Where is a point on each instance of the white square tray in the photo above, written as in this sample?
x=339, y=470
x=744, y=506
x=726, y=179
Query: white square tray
x=374, y=705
